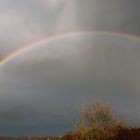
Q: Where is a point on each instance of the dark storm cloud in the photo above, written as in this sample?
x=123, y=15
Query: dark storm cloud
x=69, y=71
x=116, y=15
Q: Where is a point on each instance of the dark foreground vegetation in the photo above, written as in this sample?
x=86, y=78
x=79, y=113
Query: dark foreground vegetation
x=96, y=122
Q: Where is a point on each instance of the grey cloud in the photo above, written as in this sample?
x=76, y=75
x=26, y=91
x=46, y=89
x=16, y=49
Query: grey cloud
x=22, y=23
x=32, y=20
x=117, y=15
x=54, y=77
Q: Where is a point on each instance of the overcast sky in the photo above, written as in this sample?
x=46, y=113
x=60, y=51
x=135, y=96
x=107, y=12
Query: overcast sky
x=23, y=22
x=41, y=85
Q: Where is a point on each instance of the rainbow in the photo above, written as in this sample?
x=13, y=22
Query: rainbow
x=59, y=36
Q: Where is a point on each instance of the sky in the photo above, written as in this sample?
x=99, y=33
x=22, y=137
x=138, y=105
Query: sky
x=25, y=22
x=40, y=86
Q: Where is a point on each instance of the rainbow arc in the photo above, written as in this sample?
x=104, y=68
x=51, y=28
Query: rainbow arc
x=60, y=36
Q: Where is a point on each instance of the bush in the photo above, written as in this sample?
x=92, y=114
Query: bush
x=97, y=121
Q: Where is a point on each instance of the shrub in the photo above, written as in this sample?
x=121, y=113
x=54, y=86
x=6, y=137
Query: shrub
x=97, y=121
